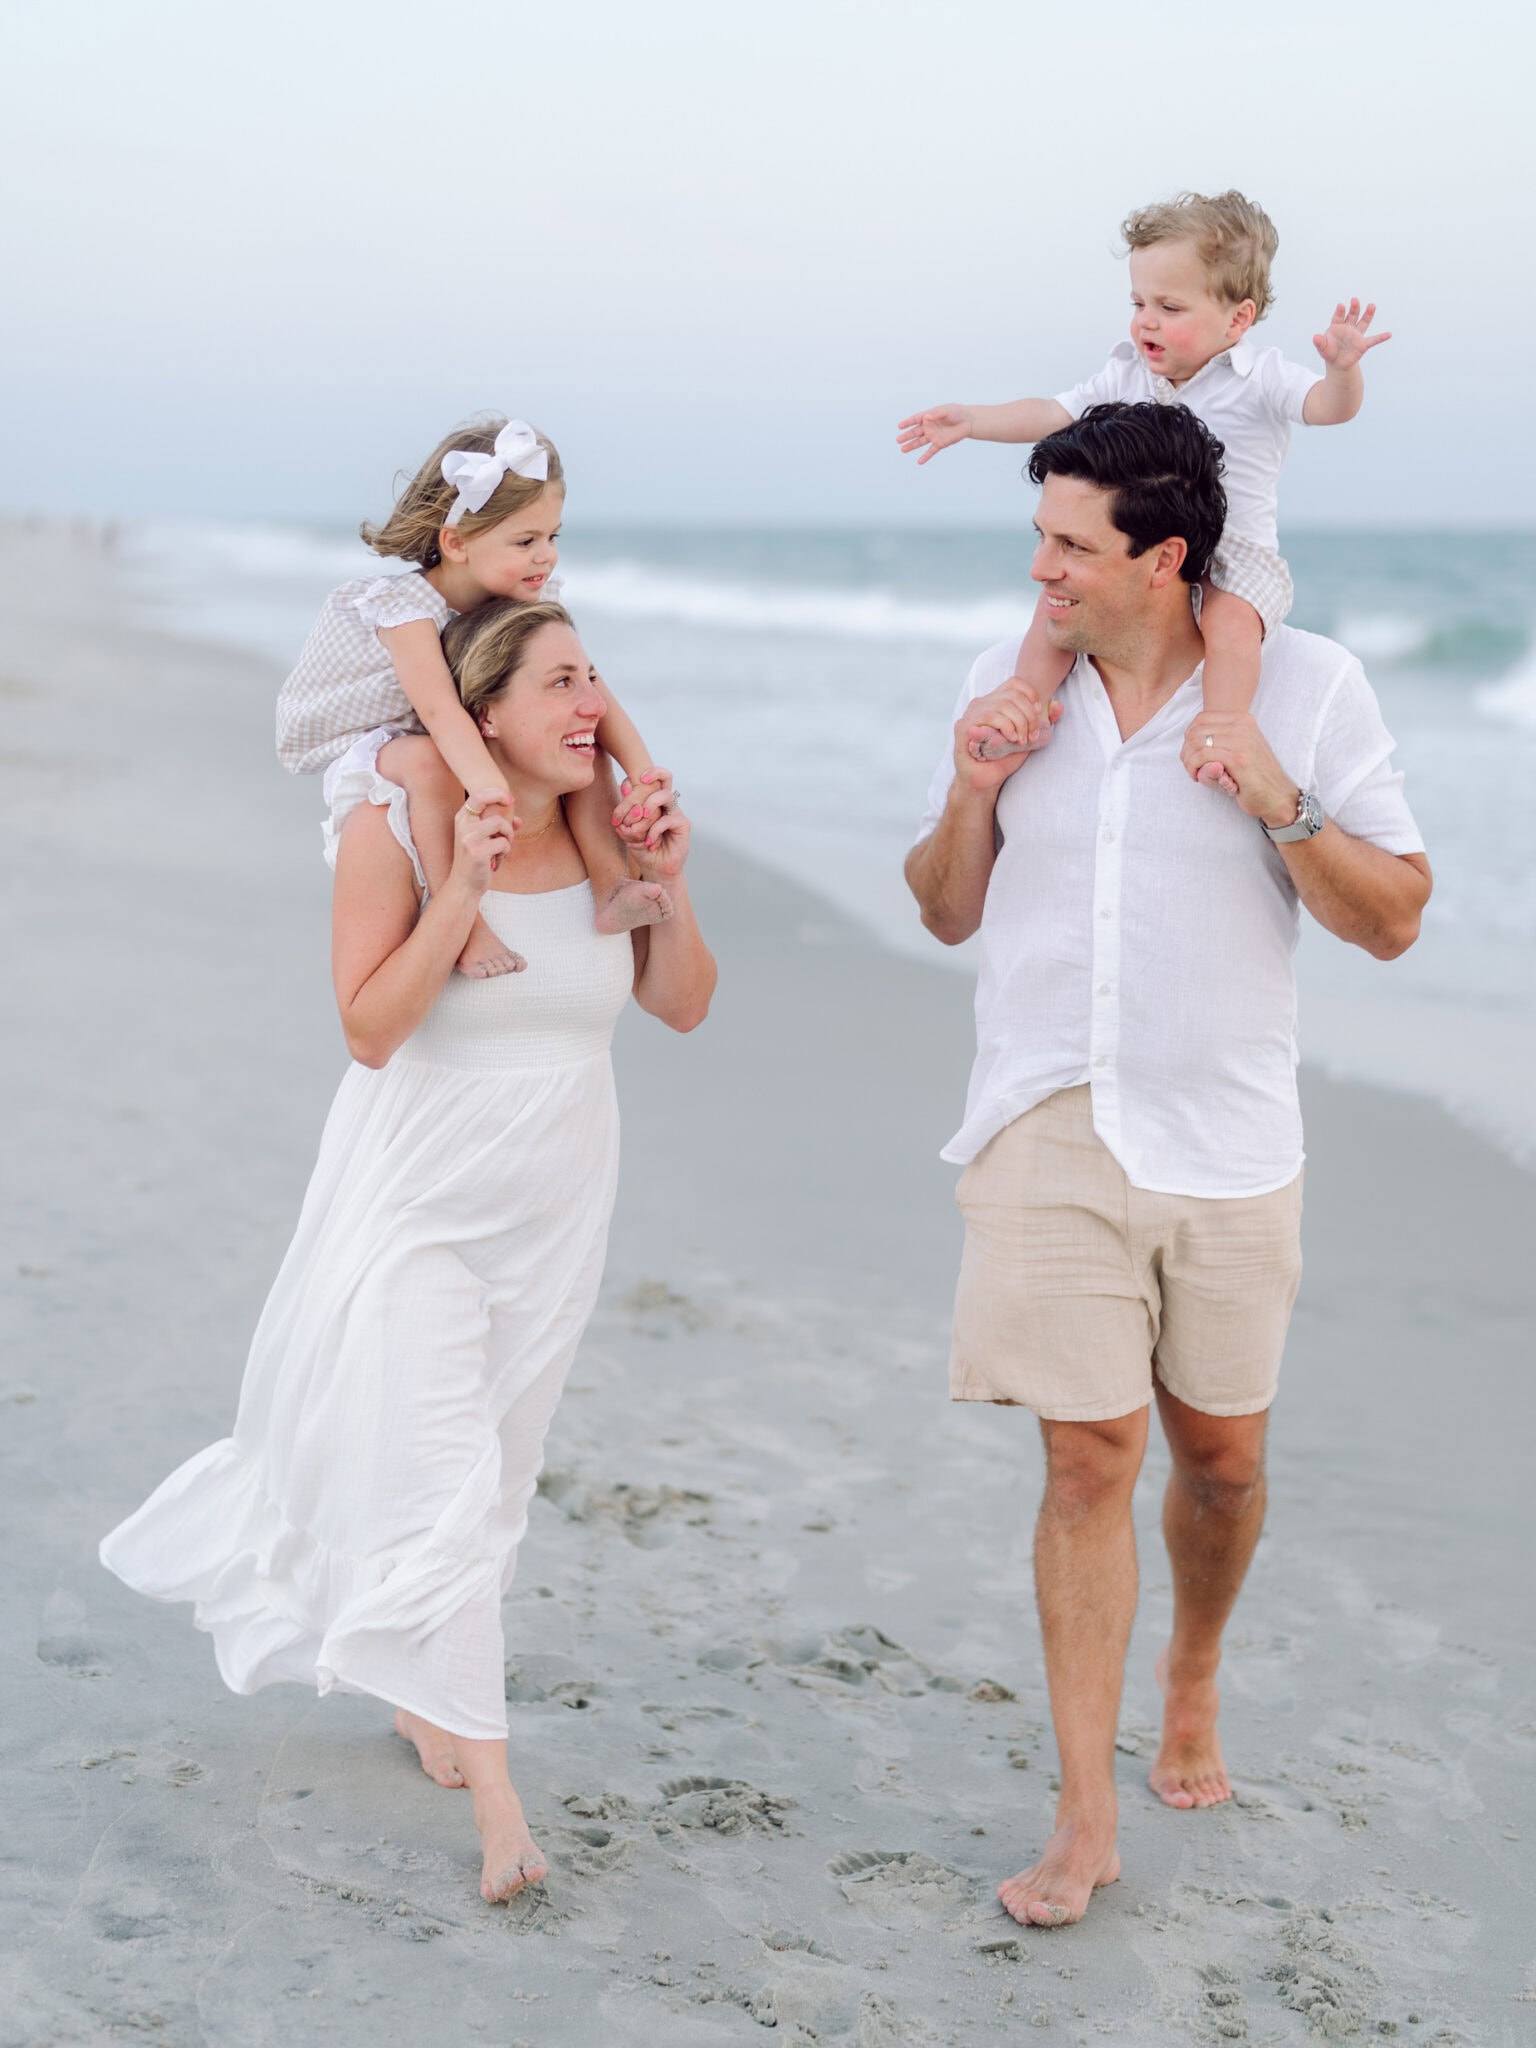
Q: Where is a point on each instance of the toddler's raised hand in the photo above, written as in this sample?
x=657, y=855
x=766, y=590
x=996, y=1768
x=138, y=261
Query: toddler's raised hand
x=1347, y=339
x=940, y=427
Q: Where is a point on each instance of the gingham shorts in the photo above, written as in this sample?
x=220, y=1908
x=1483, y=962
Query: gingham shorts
x=1254, y=573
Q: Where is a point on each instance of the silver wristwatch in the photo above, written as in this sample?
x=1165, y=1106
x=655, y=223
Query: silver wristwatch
x=1309, y=822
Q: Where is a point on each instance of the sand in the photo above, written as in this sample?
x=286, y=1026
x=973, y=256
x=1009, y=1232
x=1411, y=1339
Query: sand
x=777, y=1702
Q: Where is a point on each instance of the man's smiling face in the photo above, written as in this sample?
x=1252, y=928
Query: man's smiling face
x=1093, y=586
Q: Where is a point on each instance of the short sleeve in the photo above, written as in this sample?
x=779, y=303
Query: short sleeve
x=987, y=671
x=1286, y=385
x=1352, y=771
x=398, y=600
x=1111, y=383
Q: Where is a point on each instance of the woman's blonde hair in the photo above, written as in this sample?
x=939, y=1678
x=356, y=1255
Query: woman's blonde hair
x=421, y=511
x=1235, y=240
x=484, y=647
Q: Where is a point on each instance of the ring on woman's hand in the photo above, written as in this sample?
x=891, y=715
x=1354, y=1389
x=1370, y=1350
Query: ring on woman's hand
x=476, y=814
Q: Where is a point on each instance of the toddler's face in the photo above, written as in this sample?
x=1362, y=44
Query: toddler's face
x=1176, y=322
x=516, y=557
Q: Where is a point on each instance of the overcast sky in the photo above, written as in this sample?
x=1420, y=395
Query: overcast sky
x=259, y=258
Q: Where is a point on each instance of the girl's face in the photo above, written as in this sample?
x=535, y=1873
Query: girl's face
x=1176, y=322
x=516, y=557
x=544, y=723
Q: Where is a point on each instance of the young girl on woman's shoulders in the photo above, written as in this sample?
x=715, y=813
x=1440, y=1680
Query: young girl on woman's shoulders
x=372, y=696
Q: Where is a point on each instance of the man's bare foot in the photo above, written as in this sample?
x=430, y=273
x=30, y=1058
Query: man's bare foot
x=434, y=1746
x=485, y=956
x=632, y=904
x=1055, y=1892
x=512, y=1857
x=1189, y=1770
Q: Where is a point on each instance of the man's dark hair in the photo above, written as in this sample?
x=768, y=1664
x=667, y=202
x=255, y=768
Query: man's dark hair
x=1161, y=466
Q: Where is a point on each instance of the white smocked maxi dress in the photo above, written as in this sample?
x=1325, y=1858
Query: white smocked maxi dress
x=359, y=1529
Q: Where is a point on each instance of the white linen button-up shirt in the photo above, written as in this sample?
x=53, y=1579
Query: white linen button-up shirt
x=1139, y=929
x=1249, y=398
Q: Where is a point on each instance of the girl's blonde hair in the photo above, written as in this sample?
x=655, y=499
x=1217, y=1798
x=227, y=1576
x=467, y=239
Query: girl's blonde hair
x=484, y=647
x=1235, y=240
x=421, y=511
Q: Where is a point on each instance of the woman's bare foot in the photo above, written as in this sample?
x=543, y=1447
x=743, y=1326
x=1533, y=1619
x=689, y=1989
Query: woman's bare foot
x=632, y=904
x=485, y=956
x=1079, y=1858
x=512, y=1857
x=1190, y=1769
x=435, y=1748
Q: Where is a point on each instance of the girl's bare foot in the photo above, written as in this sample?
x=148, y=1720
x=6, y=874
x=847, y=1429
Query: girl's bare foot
x=435, y=1748
x=1054, y=1892
x=513, y=1858
x=632, y=904
x=1190, y=1769
x=485, y=956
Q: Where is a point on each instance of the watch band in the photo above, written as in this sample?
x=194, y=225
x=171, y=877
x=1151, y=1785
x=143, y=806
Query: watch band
x=1310, y=820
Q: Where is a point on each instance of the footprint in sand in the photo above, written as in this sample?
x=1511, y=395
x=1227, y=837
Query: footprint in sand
x=859, y=1657
x=647, y=1516
x=723, y=1806
x=533, y=1680
x=899, y=1885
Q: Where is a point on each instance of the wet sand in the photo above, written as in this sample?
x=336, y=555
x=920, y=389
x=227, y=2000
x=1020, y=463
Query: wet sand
x=778, y=1712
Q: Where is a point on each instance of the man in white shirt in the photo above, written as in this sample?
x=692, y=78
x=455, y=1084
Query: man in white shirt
x=1132, y=1140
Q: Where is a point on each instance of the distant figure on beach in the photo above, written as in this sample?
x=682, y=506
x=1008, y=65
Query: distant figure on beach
x=1199, y=282
x=359, y=1529
x=371, y=695
x=1132, y=1140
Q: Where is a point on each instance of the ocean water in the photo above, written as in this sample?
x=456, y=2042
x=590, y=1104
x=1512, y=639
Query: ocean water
x=801, y=685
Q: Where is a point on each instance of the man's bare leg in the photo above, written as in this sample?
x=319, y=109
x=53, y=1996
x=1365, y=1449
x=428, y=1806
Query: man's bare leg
x=1212, y=1514
x=1085, y=1582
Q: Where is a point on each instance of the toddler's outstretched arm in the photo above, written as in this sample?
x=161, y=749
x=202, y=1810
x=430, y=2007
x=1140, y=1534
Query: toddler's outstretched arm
x=1022, y=419
x=1342, y=346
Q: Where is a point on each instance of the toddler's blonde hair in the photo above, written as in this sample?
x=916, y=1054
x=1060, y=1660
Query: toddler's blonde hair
x=1235, y=240
x=421, y=511
x=483, y=647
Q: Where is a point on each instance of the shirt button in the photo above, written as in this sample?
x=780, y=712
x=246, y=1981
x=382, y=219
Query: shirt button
x=1103, y=988
x=1100, y=1060
x=1109, y=834
x=1106, y=911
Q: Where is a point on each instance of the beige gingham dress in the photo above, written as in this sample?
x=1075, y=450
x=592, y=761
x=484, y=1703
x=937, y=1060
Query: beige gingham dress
x=343, y=686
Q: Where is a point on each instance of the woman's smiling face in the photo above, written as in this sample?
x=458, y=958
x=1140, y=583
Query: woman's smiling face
x=544, y=722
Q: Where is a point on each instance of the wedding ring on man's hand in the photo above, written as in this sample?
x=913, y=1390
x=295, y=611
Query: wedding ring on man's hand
x=1209, y=741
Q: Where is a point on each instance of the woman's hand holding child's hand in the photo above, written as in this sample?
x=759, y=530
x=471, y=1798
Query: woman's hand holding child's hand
x=483, y=831
x=643, y=807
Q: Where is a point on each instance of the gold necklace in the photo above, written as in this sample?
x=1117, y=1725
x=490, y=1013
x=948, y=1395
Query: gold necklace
x=527, y=838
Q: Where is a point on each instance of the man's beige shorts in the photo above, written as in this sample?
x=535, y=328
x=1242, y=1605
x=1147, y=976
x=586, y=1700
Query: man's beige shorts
x=1075, y=1287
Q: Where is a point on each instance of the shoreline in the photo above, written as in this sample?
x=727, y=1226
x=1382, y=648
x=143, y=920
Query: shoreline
x=778, y=1710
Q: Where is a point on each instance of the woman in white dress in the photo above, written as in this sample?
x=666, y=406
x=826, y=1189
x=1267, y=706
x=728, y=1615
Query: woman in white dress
x=359, y=1529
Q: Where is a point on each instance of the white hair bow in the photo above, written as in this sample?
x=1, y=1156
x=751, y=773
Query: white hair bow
x=476, y=476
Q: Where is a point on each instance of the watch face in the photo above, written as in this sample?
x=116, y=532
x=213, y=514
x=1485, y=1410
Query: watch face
x=1311, y=814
